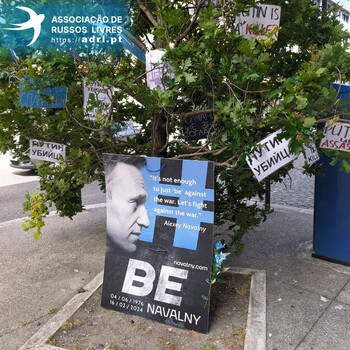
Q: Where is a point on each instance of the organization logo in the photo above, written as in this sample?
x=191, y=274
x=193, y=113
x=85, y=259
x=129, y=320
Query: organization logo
x=34, y=22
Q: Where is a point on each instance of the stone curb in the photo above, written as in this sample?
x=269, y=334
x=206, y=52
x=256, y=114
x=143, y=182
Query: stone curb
x=255, y=338
x=42, y=336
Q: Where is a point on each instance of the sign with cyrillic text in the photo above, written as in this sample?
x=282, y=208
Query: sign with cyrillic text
x=54, y=97
x=264, y=17
x=49, y=151
x=160, y=215
x=156, y=69
x=103, y=97
x=200, y=126
x=270, y=155
x=336, y=136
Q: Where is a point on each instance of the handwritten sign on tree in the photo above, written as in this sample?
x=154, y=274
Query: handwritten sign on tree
x=311, y=154
x=49, y=151
x=200, y=125
x=156, y=69
x=103, y=97
x=48, y=97
x=263, y=17
x=336, y=136
x=270, y=155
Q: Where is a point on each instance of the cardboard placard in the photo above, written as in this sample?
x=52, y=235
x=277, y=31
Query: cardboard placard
x=266, y=17
x=336, y=136
x=103, y=96
x=49, y=151
x=156, y=69
x=160, y=215
x=271, y=155
x=32, y=98
x=311, y=154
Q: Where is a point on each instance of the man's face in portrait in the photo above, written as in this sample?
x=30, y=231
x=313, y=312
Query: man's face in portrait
x=126, y=211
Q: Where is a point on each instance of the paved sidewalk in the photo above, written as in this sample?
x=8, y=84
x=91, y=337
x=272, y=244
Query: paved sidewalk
x=308, y=300
x=297, y=189
x=37, y=276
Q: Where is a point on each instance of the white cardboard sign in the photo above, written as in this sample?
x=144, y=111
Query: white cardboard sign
x=156, y=69
x=265, y=16
x=311, y=154
x=336, y=136
x=271, y=155
x=49, y=151
x=103, y=95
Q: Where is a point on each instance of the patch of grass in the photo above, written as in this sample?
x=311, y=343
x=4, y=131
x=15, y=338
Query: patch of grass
x=53, y=311
x=26, y=323
x=242, y=290
x=110, y=347
x=208, y=347
x=71, y=324
x=74, y=347
x=167, y=344
x=241, y=333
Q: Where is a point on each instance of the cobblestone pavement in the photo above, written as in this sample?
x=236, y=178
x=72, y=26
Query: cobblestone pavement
x=296, y=190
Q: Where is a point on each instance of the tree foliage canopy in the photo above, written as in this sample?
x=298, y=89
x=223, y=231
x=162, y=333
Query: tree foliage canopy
x=255, y=87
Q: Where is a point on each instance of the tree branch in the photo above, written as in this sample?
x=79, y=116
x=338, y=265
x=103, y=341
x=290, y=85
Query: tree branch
x=148, y=14
x=192, y=24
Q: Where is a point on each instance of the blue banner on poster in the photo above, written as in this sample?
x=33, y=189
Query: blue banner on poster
x=184, y=198
x=29, y=97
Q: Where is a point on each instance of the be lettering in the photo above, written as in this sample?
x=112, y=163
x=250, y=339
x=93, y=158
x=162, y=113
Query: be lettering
x=143, y=285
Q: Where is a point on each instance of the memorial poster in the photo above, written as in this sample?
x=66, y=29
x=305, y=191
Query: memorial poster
x=336, y=136
x=29, y=97
x=49, y=151
x=160, y=215
x=270, y=155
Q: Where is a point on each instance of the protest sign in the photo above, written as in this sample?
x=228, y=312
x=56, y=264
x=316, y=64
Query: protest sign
x=264, y=17
x=336, y=136
x=103, y=97
x=133, y=48
x=156, y=69
x=49, y=151
x=159, y=248
x=200, y=125
x=270, y=155
x=29, y=97
x=311, y=154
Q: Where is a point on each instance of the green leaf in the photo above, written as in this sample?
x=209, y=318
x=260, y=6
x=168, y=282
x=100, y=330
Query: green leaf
x=346, y=165
x=189, y=77
x=309, y=122
x=301, y=102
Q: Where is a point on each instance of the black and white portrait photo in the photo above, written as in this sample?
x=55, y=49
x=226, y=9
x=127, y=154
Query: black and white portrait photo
x=126, y=198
